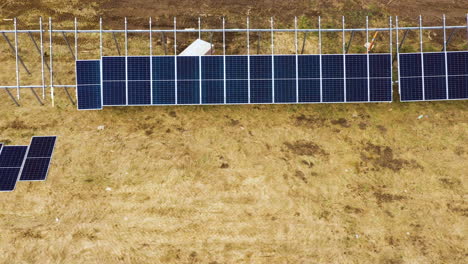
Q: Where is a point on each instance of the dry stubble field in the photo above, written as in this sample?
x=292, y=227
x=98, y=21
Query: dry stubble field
x=359, y=183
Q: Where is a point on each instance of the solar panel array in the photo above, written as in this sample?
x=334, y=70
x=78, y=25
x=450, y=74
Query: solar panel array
x=433, y=76
x=256, y=79
x=36, y=165
x=25, y=163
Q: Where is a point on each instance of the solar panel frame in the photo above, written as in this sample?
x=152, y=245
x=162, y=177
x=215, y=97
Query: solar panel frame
x=48, y=156
x=12, y=170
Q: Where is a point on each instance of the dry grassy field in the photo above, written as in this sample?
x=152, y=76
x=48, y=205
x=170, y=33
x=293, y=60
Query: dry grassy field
x=345, y=183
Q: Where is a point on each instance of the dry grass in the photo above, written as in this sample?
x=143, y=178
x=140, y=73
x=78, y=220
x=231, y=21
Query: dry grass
x=354, y=183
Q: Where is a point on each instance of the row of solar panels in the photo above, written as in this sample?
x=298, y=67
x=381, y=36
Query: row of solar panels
x=25, y=163
x=257, y=79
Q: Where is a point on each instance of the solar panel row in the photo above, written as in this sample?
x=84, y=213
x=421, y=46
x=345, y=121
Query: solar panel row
x=230, y=80
x=434, y=76
x=26, y=163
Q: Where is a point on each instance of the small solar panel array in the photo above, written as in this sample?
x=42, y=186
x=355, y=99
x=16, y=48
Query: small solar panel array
x=233, y=79
x=25, y=163
x=433, y=76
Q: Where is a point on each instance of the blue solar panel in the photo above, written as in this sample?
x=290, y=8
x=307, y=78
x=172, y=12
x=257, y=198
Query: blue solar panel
x=411, y=89
x=332, y=66
x=356, y=66
x=213, y=92
x=237, y=91
x=410, y=65
x=380, y=65
x=114, y=93
x=308, y=66
x=458, y=87
x=88, y=81
x=41, y=147
x=163, y=92
x=261, y=91
x=35, y=169
x=285, y=91
x=113, y=69
x=36, y=165
x=381, y=90
x=260, y=67
x=309, y=91
x=11, y=162
x=188, y=92
x=163, y=68
x=212, y=68
x=457, y=63
x=333, y=90
x=188, y=68
x=357, y=90
x=434, y=64
x=139, y=68
x=435, y=88
x=236, y=68
x=139, y=92
x=285, y=67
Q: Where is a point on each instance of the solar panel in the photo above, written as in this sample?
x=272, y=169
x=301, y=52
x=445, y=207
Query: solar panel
x=285, y=78
x=261, y=82
x=164, y=80
x=114, y=88
x=88, y=81
x=430, y=83
x=309, y=78
x=139, y=80
x=188, y=80
x=237, y=91
x=36, y=165
x=11, y=162
x=212, y=79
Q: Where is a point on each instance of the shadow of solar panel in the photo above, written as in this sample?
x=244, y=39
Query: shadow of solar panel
x=113, y=69
x=458, y=87
x=139, y=92
x=35, y=169
x=212, y=67
x=309, y=91
x=411, y=89
x=41, y=147
x=213, y=92
x=237, y=92
x=236, y=68
x=285, y=66
x=381, y=90
x=260, y=67
x=114, y=93
x=435, y=88
x=188, y=68
x=164, y=92
x=457, y=63
x=356, y=66
x=88, y=81
x=261, y=91
x=434, y=64
x=285, y=91
x=333, y=90
x=410, y=65
x=308, y=66
x=357, y=90
x=380, y=65
x=188, y=92
x=332, y=66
